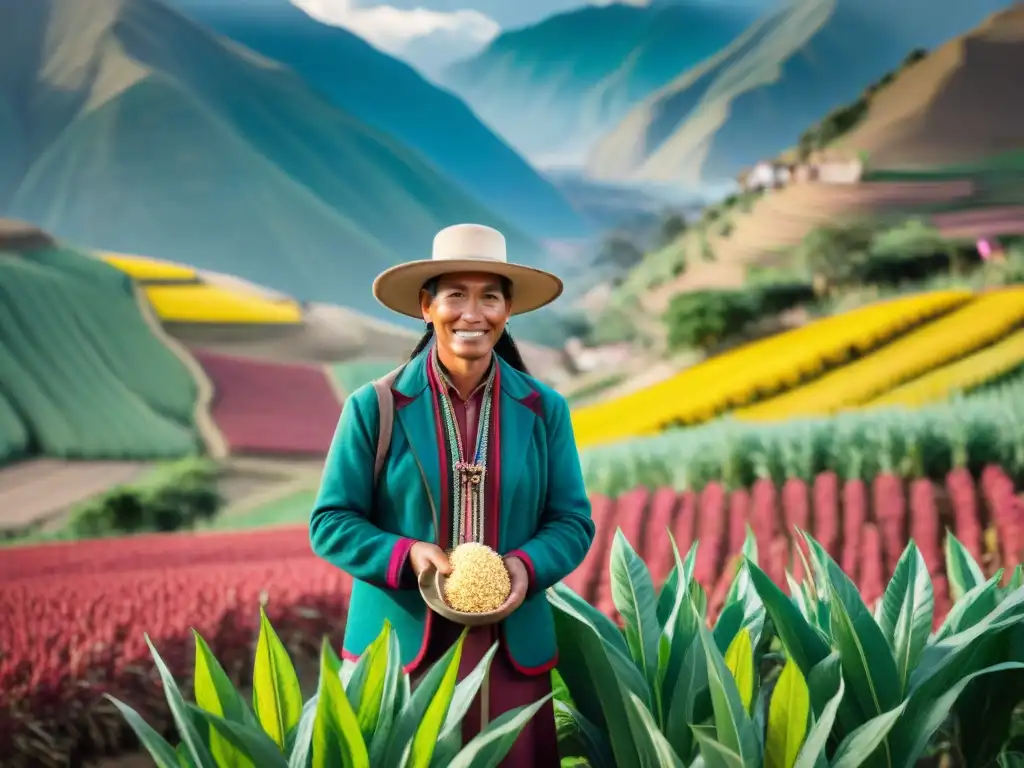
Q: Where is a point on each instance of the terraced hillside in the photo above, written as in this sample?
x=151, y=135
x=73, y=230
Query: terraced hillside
x=272, y=409
x=84, y=376
x=919, y=348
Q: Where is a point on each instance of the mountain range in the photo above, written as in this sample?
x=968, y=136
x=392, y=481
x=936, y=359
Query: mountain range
x=755, y=97
x=391, y=96
x=555, y=87
x=128, y=127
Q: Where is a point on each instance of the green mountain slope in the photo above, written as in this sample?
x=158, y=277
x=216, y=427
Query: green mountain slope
x=555, y=87
x=785, y=72
x=81, y=374
x=392, y=96
x=144, y=133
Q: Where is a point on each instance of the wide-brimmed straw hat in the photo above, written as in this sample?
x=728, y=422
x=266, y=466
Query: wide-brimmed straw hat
x=465, y=248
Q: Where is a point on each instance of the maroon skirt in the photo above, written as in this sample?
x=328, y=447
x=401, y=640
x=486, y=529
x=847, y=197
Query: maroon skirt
x=507, y=688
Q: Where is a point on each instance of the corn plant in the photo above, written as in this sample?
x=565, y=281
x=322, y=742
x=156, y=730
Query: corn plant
x=856, y=688
x=367, y=715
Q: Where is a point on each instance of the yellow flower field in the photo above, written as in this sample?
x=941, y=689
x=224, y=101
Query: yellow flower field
x=757, y=370
x=962, y=375
x=200, y=303
x=976, y=325
x=144, y=269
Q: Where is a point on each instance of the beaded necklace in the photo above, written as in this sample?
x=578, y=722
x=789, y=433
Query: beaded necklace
x=468, y=477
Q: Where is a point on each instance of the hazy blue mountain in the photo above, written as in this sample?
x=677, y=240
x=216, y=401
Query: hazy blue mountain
x=390, y=95
x=554, y=88
x=785, y=73
x=141, y=132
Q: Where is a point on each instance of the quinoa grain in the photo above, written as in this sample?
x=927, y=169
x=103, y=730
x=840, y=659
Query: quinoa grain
x=479, y=581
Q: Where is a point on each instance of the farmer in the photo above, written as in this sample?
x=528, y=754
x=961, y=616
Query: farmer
x=465, y=407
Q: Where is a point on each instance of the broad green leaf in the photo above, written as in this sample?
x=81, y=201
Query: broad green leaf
x=729, y=622
x=741, y=589
x=813, y=751
x=713, y=753
x=605, y=627
x=977, y=603
x=249, y=742
x=592, y=743
x=337, y=740
x=493, y=743
x=584, y=661
x=868, y=664
x=301, y=739
x=739, y=660
x=733, y=727
x=163, y=754
x=194, y=743
x=276, y=696
x=691, y=681
x=906, y=612
x=426, y=738
x=215, y=694
x=962, y=570
x=677, y=636
x=925, y=713
x=801, y=641
x=856, y=748
x=651, y=745
x=365, y=689
x=405, y=730
x=788, y=714
x=678, y=580
x=633, y=595
x=393, y=698
x=184, y=758
x=450, y=741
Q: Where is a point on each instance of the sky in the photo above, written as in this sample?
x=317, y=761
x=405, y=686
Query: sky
x=433, y=33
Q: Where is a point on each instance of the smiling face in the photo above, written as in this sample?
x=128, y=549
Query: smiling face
x=469, y=311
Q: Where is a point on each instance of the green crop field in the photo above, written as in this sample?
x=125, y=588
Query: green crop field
x=84, y=375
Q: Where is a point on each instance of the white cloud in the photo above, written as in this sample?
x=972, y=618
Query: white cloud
x=393, y=29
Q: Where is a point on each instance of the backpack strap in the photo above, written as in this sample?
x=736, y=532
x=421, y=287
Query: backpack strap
x=386, y=408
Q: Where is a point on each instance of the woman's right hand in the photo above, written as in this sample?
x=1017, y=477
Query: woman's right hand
x=424, y=554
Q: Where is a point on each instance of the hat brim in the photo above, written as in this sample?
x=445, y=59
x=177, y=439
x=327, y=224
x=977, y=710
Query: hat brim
x=398, y=288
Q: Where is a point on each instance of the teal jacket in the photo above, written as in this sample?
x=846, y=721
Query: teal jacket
x=544, y=512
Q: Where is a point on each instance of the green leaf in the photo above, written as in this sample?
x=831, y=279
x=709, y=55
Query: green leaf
x=190, y=736
x=163, y=754
x=739, y=660
x=605, y=627
x=249, y=742
x=652, y=747
x=926, y=711
x=741, y=589
x=450, y=741
x=962, y=571
x=813, y=750
x=676, y=640
x=393, y=698
x=276, y=696
x=337, y=740
x=426, y=738
x=691, y=681
x=788, y=714
x=677, y=582
x=215, y=694
x=733, y=727
x=714, y=753
x=586, y=738
x=633, y=595
x=906, y=614
x=365, y=689
x=856, y=748
x=493, y=743
x=300, y=747
x=729, y=622
x=802, y=642
x=405, y=731
x=977, y=603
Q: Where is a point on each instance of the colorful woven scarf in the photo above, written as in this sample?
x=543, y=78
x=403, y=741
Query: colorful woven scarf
x=467, y=472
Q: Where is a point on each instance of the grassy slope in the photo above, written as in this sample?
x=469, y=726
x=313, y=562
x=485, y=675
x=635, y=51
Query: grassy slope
x=796, y=68
x=390, y=95
x=83, y=376
x=574, y=74
x=210, y=155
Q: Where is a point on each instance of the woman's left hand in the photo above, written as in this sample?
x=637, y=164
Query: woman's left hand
x=520, y=579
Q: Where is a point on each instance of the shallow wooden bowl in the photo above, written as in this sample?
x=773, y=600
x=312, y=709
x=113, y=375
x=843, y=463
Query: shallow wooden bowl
x=431, y=584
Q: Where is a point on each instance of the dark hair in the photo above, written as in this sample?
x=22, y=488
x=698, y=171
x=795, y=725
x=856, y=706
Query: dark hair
x=505, y=347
